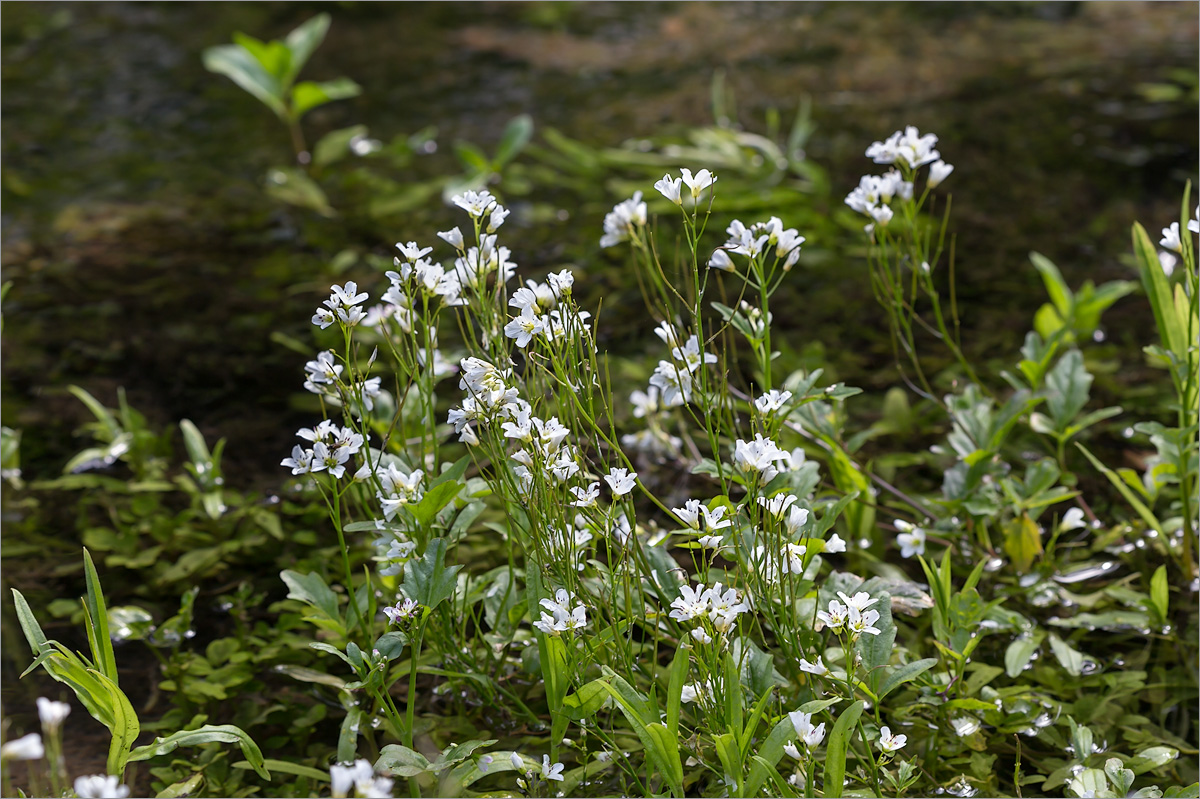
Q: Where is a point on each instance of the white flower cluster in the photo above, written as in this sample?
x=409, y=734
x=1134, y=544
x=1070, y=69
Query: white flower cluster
x=394, y=550
x=674, y=379
x=396, y=489
x=402, y=611
x=809, y=735
x=623, y=220
x=359, y=777
x=419, y=276
x=331, y=450
x=548, y=772
x=342, y=306
x=100, y=786
x=759, y=238
x=672, y=188
x=760, y=459
x=910, y=151
x=538, y=315
x=874, y=193
x=718, y=605
x=853, y=617
x=561, y=617
x=698, y=516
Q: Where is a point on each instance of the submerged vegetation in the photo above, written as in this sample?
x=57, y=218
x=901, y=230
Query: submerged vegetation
x=512, y=552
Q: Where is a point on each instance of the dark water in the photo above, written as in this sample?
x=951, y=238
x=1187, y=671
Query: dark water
x=144, y=254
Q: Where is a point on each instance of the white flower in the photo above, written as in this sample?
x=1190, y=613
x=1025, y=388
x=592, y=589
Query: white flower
x=702, y=180
x=691, y=356
x=673, y=382
x=701, y=636
x=965, y=726
x=453, y=237
x=890, y=743
x=585, y=497
x=723, y=605
x=27, y=747
x=721, y=260
x=524, y=327
x=1170, y=239
x=835, y=544
x=100, y=786
x=561, y=283
x=499, y=214
x=551, y=772
x=860, y=622
x=938, y=171
x=412, y=251
x=802, y=722
x=860, y=601
x=835, y=619
x=670, y=187
x=711, y=541
x=689, y=514
x=792, y=752
x=911, y=539
x=52, y=713
x=623, y=219
x=1194, y=224
x=517, y=763
x=1167, y=262
x=882, y=215
x=793, y=558
x=818, y=668
x=323, y=371
x=692, y=602
x=772, y=401
x=621, y=481
x=714, y=519
x=1072, y=520
x=688, y=694
x=301, y=461
x=777, y=504
x=474, y=203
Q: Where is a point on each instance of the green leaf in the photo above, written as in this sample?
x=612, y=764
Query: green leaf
x=309, y=95
x=1070, y=658
x=391, y=644
x=679, y=673
x=209, y=733
x=427, y=579
x=1159, y=596
x=311, y=590
x=1022, y=542
x=124, y=727
x=905, y=673
x=347, y=743
x=730, y=756
x=1020, y=652
x=436, y=497
x=1152, y=758
x=237, y=63
x=292, y=186
x=97, y=615
x=585, y=702
x=835, y=751
x=188, y=787
x=1068, y=386
x=1060, y=293
x=516, y=135
x=335, y=145
x=456, y=753
x=302, y=41
x=287, y=767
x=661, y=747
x=1158, y=290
